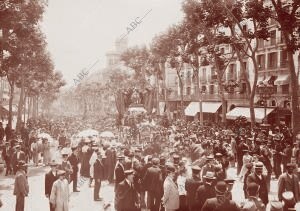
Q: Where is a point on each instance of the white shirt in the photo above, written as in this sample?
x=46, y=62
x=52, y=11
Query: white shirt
x=181, y=185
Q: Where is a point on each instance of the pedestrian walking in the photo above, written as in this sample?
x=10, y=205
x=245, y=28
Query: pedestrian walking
x=220, y=202
x=191, y=186
x=21, y=187
x=60, y=197
x=99, y=176
x=170, y=199
x=127, y=197
x=17, y=156
x=50, y=178
x=74, y=161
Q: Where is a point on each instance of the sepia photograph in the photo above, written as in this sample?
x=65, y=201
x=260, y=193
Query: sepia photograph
x=150, y=105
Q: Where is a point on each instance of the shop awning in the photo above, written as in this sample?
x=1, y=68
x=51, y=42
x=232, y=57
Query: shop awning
x=245, y=111
x=282, y=80
x=207, y=107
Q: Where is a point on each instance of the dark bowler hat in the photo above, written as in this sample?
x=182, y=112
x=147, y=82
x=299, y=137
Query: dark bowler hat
x=252, y=187
x=73, y=148
x=288, y=197
x=290, y=165
x=229, y=181
x=249, y=165
x=221, y=187
x=128, y=172
x=53, y=163
x=196, y=169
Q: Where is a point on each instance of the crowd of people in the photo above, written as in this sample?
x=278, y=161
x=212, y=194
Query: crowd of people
x=182, y=166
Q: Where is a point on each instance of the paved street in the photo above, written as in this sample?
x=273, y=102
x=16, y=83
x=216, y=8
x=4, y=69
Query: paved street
x=82, y=200
x=36, y=201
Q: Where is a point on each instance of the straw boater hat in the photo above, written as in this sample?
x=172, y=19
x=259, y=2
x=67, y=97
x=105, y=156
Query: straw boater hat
x=276, y=206
x=209, y=175
x=61, y=172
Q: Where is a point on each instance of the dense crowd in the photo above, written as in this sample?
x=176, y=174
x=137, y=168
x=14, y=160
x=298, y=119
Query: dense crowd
x=182, y=166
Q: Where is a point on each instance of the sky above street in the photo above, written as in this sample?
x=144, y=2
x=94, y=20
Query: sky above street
x=80, y=32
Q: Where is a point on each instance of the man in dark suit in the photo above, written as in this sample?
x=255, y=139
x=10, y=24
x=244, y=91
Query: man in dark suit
x=2, y=132
x=153, y=183
x=7, y=154
x=99, y=175
x=21, y=187
x=119, y=171
x=206, y=190
x=50, y=178
x=127, y=197
x=288, y=182
x=220, y=202
x=73, y=159
x=191, y=186
x=17, y=156
x=260, y=179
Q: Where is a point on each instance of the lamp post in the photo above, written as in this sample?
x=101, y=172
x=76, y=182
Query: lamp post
x=265, y=91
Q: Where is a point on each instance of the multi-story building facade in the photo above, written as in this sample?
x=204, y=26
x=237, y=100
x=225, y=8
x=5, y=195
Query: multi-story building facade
x=273, y=69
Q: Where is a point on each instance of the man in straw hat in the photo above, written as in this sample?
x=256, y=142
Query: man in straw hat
x=206, y=190
x=170, y=199
x=21, y=187
x=59, y=197
x=191, y=186
x=220, y=202
x=288, y=182
x=260, y=179
x=50, y=178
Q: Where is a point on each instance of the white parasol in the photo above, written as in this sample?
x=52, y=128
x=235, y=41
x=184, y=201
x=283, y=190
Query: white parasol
x=107, y=134
x=87, y=133
x=44, y=135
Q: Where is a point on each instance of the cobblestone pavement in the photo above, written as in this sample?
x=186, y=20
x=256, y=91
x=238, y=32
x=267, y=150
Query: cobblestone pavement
x=83, y=200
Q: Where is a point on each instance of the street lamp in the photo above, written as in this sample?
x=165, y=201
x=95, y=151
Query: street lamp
x=265, y=91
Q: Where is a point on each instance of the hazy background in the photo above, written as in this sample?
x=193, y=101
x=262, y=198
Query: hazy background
x=80, y=32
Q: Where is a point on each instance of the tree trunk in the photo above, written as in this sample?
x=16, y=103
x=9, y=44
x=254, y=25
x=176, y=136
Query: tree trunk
x=294, y=94
x=248, y=89
x=181, y=93
x=163, y=72
x=11, y=97
x=20, y=104
x=198, y=94
x=253, y=90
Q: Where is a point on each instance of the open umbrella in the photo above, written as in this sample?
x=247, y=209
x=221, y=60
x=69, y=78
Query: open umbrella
x=107, y=134
x=44, y=135
x=87, y=133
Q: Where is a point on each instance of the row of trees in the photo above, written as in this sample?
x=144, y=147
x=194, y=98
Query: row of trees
x=207, y=25
x=25, y=62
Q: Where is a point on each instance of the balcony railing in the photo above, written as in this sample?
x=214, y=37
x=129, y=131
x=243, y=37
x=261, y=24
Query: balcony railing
x=205, y=96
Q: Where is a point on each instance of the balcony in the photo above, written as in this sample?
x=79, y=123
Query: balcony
x=204, y=96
